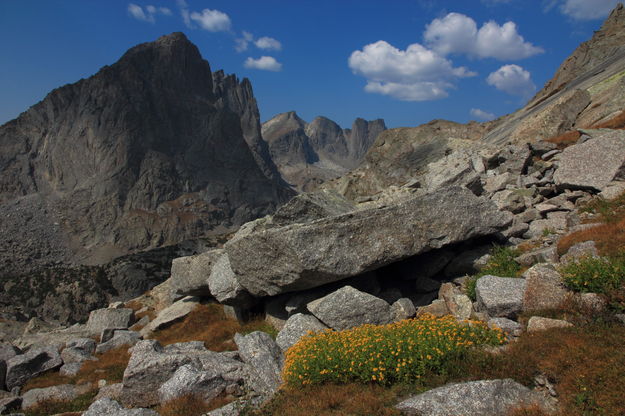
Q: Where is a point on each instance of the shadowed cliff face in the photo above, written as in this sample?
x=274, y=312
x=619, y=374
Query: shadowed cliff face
x=150, y=151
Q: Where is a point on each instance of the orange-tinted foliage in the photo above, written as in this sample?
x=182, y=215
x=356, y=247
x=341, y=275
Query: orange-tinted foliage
x=208, y=323
x=617, y=122
x=565, y=140
x=190, y=406
x=333, y=399
x=609, y=238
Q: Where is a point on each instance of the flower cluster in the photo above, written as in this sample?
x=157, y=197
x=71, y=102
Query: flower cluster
x=398, y=352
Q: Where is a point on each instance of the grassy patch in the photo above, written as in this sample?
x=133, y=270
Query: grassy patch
x=566, y=139
x=594, y=274
x=501, y=264
x=52, y=407
x=401, y=352
x=110, y=366
x=190, y=405
x=352, y=399
x=616, y=122
x=209, y=323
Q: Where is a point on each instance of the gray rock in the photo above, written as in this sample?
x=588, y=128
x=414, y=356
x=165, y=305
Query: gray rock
x=544, y=288
x=23, y=367
x=109, y=391
x=120, y=337
x=303, y=256
x=188, y=380
x=402, y=309
x=189, y=275
x=437, y=308
x=592, y=302
x=312, y=206
x=108, y=407
x=10, y=403
x=225, y=286
x=484, y=398
x=265, y=358
x=500, y=296
x=541, y=255
x=509, y=200
x=454, y=169
x=593, y=164
x=499, y=182
x=173, y=313
x=580, y=250
x=70, y=369
x=296, y=327
x=151, y=365
x=612, y=190
x=84, y=344
x=75, y=355
x=101, y=319
x=508, y=326
x=549, y=225
x=63, y=392
x=538, y=324
x=349, y=307
x=7, y=351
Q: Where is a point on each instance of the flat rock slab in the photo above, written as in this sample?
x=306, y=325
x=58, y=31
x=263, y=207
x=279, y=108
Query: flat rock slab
x=174, y=313
x=349, y=307
x=500, y=296
x=538, y=323
x=296, y=327
x=101, y=319
x=188, y=380
x=22, y=368
x=302, y=256
x=484, y=398
x=594, y=163
x=120, y=337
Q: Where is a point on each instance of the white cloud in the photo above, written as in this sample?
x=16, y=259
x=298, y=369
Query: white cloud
x=588, y=9
x=512, y=79
x=184, y=12
x=414, y=74
x=482, y=115
x=211, y=20
x=149, y=14
x=268, y=43
x=265, y=63
x=241, y=44
x=458, y=33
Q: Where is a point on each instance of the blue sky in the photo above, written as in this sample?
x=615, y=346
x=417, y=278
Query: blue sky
x=407, y=61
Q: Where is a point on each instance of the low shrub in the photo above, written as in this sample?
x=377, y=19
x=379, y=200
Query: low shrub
x=190, y=405
x=566, y=139
x=501, y=264
x=399, y=352
x=594, y=274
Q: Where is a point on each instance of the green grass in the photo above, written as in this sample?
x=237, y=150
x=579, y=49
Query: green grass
x=594, y=274
x=401, y=352
x=501, y=264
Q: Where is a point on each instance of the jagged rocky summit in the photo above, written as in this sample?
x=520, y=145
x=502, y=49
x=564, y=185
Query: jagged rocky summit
x=150, y=151
x=308, y=154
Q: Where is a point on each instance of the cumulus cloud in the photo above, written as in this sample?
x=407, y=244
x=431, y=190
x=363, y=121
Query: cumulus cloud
x=149, y=14
x=211, y=20
x=588, y=9
x=482, y=115
x=414, y=74
x=241, y=44
x=512, y=79
x=458, y=33
x=265, y=63
x=268, y=43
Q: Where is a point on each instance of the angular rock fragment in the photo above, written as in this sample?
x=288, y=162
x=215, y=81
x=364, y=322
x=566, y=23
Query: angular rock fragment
x=296, y=327
x=500, y=296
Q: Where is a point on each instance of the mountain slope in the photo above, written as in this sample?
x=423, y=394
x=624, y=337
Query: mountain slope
x=308, y=154
x=150, y=151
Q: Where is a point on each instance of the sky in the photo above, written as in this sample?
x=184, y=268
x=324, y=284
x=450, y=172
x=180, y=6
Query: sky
x=406, y=61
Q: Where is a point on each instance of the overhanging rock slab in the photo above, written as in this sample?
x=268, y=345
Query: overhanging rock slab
x=303, y=256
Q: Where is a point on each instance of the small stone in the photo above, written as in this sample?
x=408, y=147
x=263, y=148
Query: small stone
x=402, y=309
x=296, y=327
x=538, y=323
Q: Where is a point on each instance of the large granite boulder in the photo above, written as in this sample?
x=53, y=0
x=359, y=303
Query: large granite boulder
x=189, y=275
x=594, y=163
x=265, y=359
x=101, y=319
x=500, y=296
x=224, y=286
x=303, y=256
x=349, y=307
x=172, y=314
x=296, y=327
x=483, y=397
x=22, y=368
x=188, y=380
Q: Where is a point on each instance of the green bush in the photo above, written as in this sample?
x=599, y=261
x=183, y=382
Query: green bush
x=400, y=352
x=501, y=263
x=594, y=274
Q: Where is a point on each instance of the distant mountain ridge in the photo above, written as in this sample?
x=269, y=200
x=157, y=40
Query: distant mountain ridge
x=150, y=151
x=308, y=154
